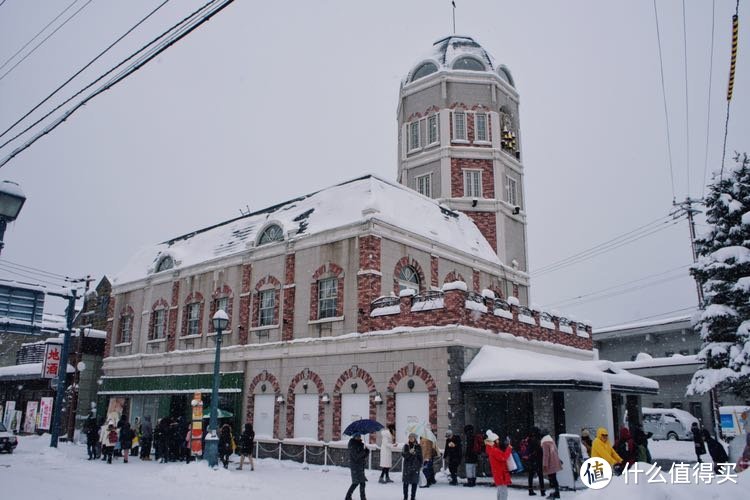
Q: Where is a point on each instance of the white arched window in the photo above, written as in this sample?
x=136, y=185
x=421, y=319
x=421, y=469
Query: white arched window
x=408, y=278
x=270, y=234
x=468, y=64
x=165, y=263
x=424, y=70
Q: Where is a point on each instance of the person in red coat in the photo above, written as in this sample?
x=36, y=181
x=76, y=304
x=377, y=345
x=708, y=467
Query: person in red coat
x=498, y=452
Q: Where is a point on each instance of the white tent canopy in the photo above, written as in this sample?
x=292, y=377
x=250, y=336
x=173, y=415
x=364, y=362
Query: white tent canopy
x=517, y=368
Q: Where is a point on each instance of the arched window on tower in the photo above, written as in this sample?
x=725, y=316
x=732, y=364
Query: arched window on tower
x=424, y=70
x=270, y=234
x=165, y=263
x=468, y=64
x=408, y=278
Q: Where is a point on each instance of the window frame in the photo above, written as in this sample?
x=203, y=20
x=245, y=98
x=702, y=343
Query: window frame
x=428, y=184
x=414, y=126
x=468, y=184
x=402, y=283
x=264, y=318
x=485, y=118
x=125, y=334
x=263, y=240
x=156, y=324
x=456, y=137
x=189, y=331
x=330, y=300
x=433, y=122
x=511, y=195
x=167, y=261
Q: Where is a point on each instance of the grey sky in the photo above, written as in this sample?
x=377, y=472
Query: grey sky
x=270, y=100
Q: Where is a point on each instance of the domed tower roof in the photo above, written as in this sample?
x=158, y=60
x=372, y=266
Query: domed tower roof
x=457, y=53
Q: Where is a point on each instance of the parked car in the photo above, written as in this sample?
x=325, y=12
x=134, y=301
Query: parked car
x=668, y=423
x=8, y=441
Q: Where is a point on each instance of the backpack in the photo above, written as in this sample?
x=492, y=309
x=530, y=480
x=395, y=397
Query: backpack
x=523, y=449
x=112, y=436
x=477, y=445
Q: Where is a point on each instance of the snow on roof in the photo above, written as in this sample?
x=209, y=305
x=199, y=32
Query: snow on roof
x=649, y=362
x=643, y=324
x=500, y=364
x=26, y=371
x=351, y=202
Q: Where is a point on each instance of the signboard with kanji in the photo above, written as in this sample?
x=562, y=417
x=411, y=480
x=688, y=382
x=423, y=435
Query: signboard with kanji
x=45, y=413
x=29, y=424
x=196, y=431
x=51, y=364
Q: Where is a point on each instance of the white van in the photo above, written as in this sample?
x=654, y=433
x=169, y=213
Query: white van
x=668, y=423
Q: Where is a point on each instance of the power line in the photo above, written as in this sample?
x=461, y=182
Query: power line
x=84, y=67
x=174, y=38
x=664, y=96
x=33, y=269
x=611, y=244
x=35, y=36
x=708, y=103
x=619, y=285
x=45, y=39
x=687, y=100
x=647, y=317
x=31, y=277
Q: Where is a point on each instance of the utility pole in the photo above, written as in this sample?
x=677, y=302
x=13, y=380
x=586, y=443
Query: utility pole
x=63, y=371
x=72, y=414
x=687, y=208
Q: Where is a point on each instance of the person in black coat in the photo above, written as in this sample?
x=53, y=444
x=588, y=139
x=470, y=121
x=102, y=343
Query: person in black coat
x=92, y=436
x=412, y=457
x=700, y=447
x=247, y=442
x=147, y=437
x=225, y=444
x=126, y=440
x=357, y=462
x=452, y=454
x=162, y=439
x=716, y=450
x=535, y=460
x=473, y=448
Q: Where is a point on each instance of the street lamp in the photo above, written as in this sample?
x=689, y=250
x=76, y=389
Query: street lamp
x=220, y=322
x=11, y=201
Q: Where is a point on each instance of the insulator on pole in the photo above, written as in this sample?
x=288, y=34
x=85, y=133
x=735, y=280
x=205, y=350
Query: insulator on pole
x=733, y=62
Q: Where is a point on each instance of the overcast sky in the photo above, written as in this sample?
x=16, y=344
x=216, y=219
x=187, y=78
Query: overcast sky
x=270, y=100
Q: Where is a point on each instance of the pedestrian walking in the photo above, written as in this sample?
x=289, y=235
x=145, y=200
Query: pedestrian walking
x=643, y=454
x=162, y=439
x=388, y=436
x=498, y=452
x=225, y=444
x=473, y=449
x=452, y=454
x=602, y=448
x=700, y=447
x=247, y=442
x=92, y=436
x=586, y=441
x=716, y=450
x=533, y=450
x=429, y=453
x=551, y=463
x=147, y=437
x=411, y=455
x=357, y=462
x=126, y=440
x=109, y=439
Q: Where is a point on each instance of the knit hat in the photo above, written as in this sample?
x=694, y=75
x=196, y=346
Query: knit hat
x=448, y=433
x=492, y=436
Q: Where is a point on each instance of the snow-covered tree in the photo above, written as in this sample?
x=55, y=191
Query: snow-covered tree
x=723, y=269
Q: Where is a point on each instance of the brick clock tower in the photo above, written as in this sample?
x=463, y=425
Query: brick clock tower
x=459, y=143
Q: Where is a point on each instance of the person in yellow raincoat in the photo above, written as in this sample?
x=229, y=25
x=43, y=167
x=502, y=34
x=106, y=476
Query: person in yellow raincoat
x=602, y=448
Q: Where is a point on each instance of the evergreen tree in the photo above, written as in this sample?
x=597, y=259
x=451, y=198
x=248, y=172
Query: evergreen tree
x=723, y=270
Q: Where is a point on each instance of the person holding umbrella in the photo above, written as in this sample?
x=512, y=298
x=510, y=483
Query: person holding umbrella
x=357, y=462
x=412, y=457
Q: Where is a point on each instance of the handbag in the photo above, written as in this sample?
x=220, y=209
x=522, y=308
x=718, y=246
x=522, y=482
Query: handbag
x=511, y=463
x=519, y=463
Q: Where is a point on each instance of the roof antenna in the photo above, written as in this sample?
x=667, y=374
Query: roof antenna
x=454, y=16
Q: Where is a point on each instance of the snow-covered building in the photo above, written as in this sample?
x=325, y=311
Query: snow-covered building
x=395, y=301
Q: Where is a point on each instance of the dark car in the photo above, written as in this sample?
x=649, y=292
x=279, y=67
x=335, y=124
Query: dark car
x=8, y=441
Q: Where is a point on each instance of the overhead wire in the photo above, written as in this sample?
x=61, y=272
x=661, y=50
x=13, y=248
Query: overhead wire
x=45, y=39
x=180, y=32
x=39, y=33
x=708, y=103
x=629, y=237
x=35, y=270
x=664, y=96
x=648, y=317
x=86, y=66
x=31, y=277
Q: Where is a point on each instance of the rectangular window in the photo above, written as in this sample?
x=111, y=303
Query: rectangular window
x=676, y=404
x=327, y=296
x=160, y=324
x=480, y=121
x=222, y=303
x=511, y=190
x=424, y=185
x=432, y=130
x=267, y=300
x=193, y=319
x=459, y=126
x=473, y=183
x=696, y=409
x=126, y=328
x=413, y=136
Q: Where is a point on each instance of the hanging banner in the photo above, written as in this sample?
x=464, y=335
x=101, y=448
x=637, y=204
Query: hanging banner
x=196, y=433
x=29, y=426
x=10, y=412
x=45, y=413
x=51, y=364
x=16, y=424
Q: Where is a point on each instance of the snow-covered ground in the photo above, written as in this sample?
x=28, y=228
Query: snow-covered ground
x=37, y=472
x=674, y=450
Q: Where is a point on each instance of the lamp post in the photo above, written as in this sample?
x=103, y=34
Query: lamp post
x=220, y=322
x=11, y=201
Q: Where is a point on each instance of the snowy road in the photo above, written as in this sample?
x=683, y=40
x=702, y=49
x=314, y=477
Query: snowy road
x=37, y=472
